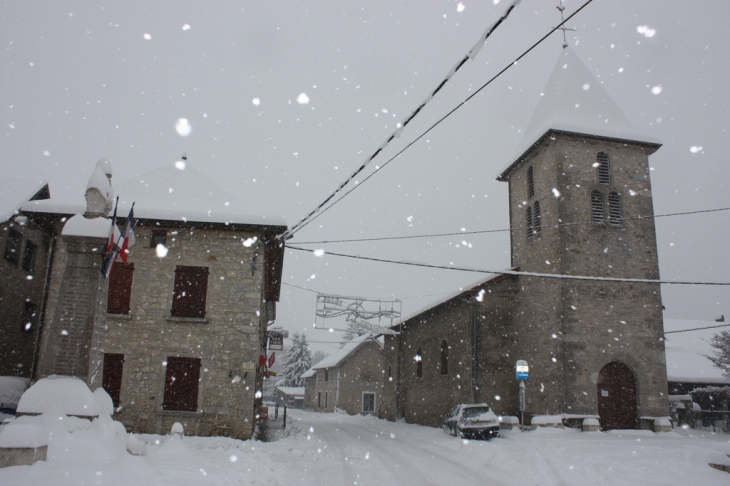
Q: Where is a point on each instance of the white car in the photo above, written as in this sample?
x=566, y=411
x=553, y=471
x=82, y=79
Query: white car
x=473, y=421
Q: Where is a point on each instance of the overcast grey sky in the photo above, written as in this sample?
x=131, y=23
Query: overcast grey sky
x=83, y=80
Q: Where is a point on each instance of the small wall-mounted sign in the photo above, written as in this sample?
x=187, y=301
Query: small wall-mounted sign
x=248, y=367
x=276, y=341
x=522, y=370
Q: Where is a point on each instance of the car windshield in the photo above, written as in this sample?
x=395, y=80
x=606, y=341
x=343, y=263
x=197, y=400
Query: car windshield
x=474, y=412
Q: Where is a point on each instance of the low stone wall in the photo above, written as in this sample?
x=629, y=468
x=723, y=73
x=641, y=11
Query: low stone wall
x=22, y=456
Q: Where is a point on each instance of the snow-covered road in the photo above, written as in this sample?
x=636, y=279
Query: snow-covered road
x=337, y=449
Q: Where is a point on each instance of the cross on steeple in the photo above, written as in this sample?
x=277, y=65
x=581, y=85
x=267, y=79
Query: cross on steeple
x=561, y=7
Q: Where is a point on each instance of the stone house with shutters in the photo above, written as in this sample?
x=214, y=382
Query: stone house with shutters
x=351, y=379
x=580, y=203
x=175, y=334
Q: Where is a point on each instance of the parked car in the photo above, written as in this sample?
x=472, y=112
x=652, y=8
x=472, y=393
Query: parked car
x=473, y=421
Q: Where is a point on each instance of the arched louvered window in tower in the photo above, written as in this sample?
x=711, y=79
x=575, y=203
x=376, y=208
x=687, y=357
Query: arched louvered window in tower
x=614, y=209
x=530, y=182
x=418, y=358
x=597, y=209
x=529, y=221
x=444, y=357
x=604, y=168
x=536, y=218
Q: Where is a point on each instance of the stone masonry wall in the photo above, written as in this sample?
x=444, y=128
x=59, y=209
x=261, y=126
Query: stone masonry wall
x=230, y=335
x=570, y=329
x=362, y=371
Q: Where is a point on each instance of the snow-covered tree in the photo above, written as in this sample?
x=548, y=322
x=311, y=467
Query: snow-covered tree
x=721, y=358
x=318, y=356
x=297, y=361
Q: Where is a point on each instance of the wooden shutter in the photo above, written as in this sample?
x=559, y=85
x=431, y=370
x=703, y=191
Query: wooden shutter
x=120, y=289
x=191, y=287
x=112, y=379
x=181, y=384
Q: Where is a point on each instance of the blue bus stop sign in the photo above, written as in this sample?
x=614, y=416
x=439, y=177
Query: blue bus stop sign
x=522, y=370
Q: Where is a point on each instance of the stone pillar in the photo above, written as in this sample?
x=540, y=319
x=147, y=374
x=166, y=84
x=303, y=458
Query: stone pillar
x=72, y=338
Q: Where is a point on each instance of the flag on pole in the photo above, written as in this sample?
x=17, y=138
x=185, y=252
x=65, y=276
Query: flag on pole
x=127, y=235
x=111, y=248
x=110, y=244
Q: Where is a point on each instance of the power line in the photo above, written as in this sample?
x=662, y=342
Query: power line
x=319, y=211
x=460, y=233
x=399, y=129
x=697, y=328
x=515, y=272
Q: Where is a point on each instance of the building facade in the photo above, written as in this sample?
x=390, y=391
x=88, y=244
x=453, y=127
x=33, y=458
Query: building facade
x=580, y=204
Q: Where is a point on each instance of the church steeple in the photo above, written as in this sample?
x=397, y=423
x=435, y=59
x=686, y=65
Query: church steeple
x=575, y=101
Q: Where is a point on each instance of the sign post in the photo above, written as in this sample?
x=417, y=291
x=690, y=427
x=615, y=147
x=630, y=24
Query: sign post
x=522, y=372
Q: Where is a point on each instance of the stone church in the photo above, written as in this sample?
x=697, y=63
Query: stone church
x=580, y=203
x=174, y=334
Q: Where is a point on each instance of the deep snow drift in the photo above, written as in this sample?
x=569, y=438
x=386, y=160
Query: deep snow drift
x=322, y=449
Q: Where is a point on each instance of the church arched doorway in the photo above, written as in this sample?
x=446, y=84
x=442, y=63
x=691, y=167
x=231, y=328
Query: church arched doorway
x=617, y=397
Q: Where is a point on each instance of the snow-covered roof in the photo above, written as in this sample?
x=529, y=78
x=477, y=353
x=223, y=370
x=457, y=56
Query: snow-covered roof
x=293, y=391
x=177, y=192
x=310, y=373
x=79, y=225
x=15, y=192
x=471, y=287
x=685, y=352
x=575, y=101
x=68, y=394
x=346, y=350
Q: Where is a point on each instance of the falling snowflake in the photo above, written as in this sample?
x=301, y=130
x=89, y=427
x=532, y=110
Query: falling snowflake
x=187, y=27
x=147, y=37
x=161, y=251
x=256, y=101
x=319, y=252
x=656, y=90
x=183, y=127
x=303, y=99
x=695, y=149
x=460, y=7
x=180, y=165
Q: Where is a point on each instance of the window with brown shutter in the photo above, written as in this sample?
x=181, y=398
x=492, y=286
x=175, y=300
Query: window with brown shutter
x=191, y=287
x=120, y=289
x=112, y=378
x=181, y=384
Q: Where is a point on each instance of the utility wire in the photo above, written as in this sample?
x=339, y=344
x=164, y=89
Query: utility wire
x=515, y=272
x=470, y=55
x=319, y=211
x=460, y=233
x=697, y=328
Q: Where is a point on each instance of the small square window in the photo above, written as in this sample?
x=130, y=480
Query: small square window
x=368, y=402
x=158, y=238
x=29, y=256
x=12, y=247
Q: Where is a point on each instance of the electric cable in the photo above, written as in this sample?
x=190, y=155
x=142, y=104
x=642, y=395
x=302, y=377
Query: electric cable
x=407, y=237
x=516, y=272
x=319, y=211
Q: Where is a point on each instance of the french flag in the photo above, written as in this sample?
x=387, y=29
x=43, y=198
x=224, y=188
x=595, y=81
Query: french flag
x=127, y=235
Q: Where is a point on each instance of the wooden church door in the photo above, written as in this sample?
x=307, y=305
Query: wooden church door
x=617, y=397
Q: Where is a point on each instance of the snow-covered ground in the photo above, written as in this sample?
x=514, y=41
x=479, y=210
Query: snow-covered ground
x=336, y=449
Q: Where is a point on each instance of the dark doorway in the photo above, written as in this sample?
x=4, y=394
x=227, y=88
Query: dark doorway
x=617, y=397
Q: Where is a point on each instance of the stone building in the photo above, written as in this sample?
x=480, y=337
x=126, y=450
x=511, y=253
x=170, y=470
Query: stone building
x=24, y=242
x=351, y=379
x=580, y=204
x=175, y=334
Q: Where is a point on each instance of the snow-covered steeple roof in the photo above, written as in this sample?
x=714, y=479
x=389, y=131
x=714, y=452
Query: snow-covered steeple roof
x=574, y=101
x=14, y=192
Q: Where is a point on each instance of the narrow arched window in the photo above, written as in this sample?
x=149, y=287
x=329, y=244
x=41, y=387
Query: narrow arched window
x=444, y=357
x=418, y=358
x=536, y=217
x=614, y=209
x=597, y=209
x=530, y=182
x=529, y=221
x=604, y=169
